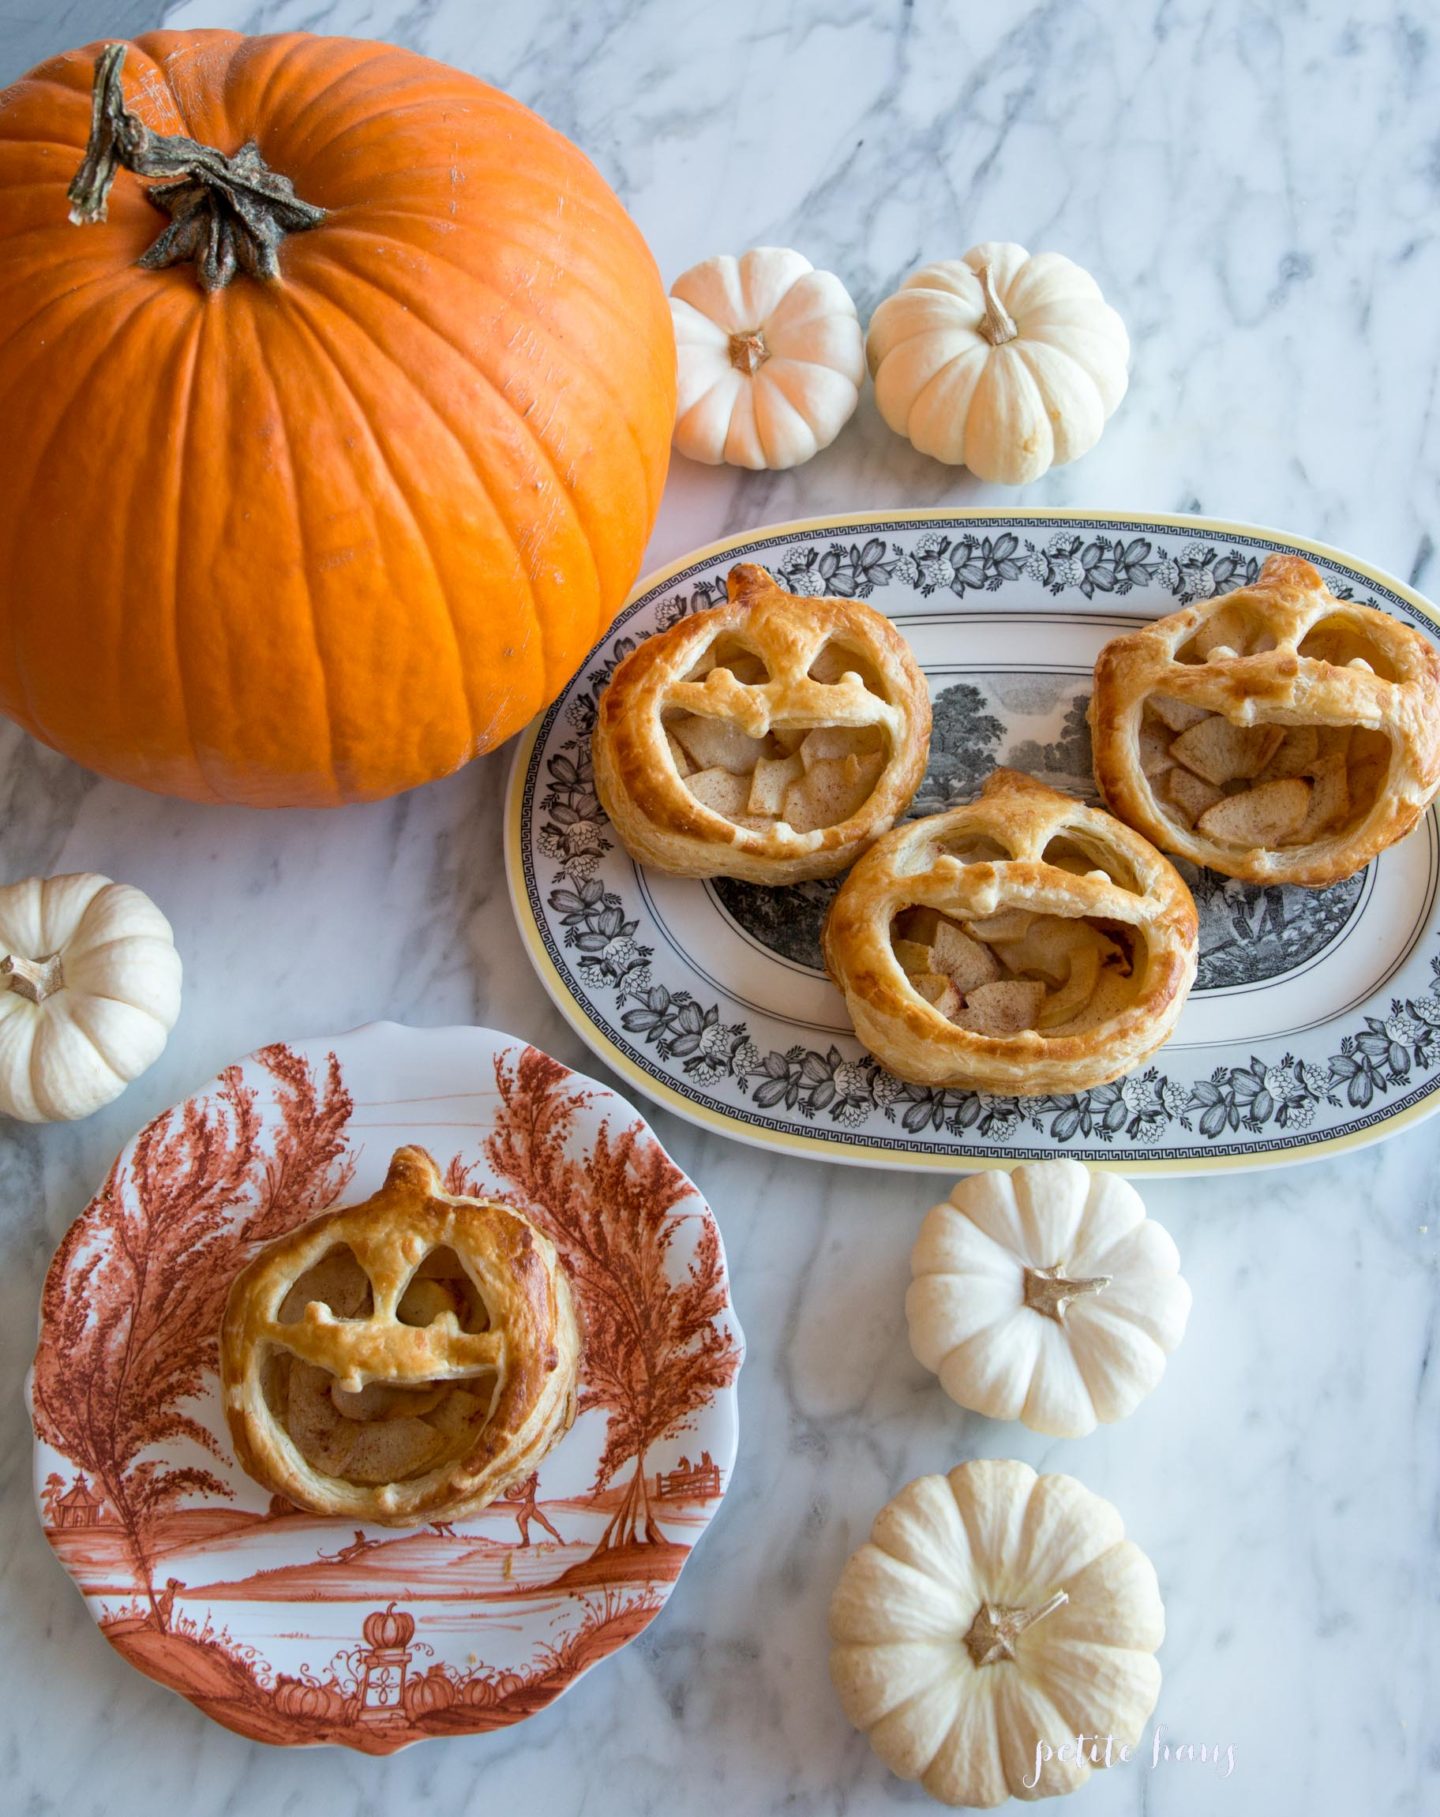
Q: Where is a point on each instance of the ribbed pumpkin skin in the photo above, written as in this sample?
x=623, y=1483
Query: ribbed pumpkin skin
x=322, y=540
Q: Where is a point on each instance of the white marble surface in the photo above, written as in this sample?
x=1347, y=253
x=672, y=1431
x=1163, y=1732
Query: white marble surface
x=1256, y=188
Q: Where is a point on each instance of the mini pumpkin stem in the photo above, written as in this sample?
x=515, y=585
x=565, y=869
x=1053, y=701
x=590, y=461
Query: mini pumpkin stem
x=227, y=214
x=995, y=1629
x=997, y=324
x=1049, y=1291
x=33, y=979
x=748, y=352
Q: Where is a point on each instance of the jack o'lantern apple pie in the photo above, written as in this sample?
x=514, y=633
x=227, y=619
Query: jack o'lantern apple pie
x=1277, y=734
x=400, y=1361
x=1023, y=944
x=771, y=738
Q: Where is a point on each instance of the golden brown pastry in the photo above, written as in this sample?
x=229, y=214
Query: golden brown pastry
x=770, y=738
x=1023, y=944
x=1276, y=734
x=403, y=1360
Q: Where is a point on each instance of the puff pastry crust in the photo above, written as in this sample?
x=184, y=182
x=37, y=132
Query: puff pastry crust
x=1277, y=733
x=402, y=1360
x=771, y=738
x=1023, y=944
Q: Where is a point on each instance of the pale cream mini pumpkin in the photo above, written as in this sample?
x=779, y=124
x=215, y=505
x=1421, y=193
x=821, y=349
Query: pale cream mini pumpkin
x=991, y=1614
x=771, y=359
x=999, y=362
x=89, y=991
x=1046, y=1295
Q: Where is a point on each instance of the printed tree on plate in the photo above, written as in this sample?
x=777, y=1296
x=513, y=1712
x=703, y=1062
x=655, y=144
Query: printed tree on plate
x=655, y=1350
x=136, y=1292
x=963, y=741
x=1069, y=757
x=50, y=1498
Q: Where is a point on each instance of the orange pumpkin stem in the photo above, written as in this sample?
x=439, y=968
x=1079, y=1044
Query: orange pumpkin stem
x=227, y=214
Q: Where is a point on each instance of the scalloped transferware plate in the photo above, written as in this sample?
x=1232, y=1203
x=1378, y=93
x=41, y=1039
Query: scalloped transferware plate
x=1315, y=1021
x=298, y=1630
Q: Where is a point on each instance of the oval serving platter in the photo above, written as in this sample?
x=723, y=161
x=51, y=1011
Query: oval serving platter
x=298, y=1630
x=1315, y=1021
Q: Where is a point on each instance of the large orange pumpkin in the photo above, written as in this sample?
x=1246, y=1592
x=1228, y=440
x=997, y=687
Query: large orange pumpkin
x=321, y=536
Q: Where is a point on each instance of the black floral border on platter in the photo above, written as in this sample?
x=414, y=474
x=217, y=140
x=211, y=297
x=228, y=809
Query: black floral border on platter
x=832, y=1094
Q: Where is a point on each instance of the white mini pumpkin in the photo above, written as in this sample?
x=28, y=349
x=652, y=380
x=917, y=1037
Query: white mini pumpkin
x=999, y=362
x=89, y=990
x=771, y=359
x=1046, y=1295
x=992, y=1613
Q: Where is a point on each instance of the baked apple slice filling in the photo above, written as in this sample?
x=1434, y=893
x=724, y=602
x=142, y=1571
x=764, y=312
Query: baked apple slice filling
x=799, y=773
x=1264, y=785
x=1017, y=969
x=804, y=776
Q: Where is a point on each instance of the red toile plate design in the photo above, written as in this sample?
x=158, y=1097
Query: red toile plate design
x=297, y=1630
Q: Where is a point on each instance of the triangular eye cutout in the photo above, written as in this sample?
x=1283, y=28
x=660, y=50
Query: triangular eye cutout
x=1075, y=856
x=975, y=848
x=338, y=1281
x=440, y=1285
x=1344, y=645
x=744, y=663
x=835, y=660
x=1233, y=629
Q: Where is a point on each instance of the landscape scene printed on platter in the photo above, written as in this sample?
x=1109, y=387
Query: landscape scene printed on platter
x=291, y=1628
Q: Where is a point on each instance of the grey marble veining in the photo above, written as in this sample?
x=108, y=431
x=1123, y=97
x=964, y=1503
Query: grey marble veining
x=1256, y=189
